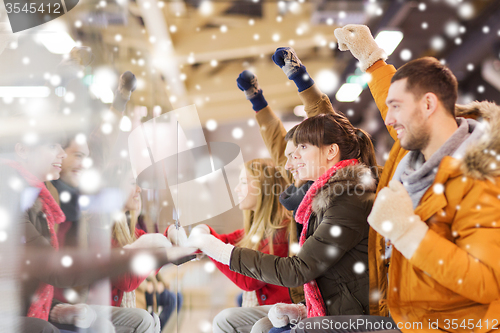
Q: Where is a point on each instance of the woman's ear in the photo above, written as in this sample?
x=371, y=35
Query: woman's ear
x=332, y=152
x=21, y=150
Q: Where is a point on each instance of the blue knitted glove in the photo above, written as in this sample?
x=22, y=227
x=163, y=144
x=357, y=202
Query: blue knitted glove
x=287, y=60
x=247, y=82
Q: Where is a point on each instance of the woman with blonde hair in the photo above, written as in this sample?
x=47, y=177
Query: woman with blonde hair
x=265, y=229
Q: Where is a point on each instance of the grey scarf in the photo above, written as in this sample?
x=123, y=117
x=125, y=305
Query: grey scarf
x=417, y=175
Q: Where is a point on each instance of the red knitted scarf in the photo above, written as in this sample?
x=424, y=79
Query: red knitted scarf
x=41, y=303
x=315, y=304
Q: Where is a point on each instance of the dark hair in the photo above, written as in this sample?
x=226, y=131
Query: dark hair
x=327, y=129
x=289, y=134
x=429, y=75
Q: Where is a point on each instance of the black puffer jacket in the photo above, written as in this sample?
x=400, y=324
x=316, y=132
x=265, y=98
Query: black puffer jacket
x=335, y=252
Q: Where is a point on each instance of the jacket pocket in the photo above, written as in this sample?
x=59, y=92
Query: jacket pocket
x=344, y=303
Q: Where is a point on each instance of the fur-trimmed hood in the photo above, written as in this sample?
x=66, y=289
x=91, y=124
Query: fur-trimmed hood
x=354, y=180
x=481, y=159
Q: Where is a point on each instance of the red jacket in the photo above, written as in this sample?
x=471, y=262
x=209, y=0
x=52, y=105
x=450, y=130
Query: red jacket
x=127, y=282
x=267, y=294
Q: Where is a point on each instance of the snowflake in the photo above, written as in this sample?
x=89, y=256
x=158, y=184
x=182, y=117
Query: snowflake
x=387, y=226
x=66, y=261
x=3, y=236
x=71, y=295
x=405, y=55
x=15, y=184
x=209, y=267
x=359, y=268
x=332, y=251
x=237, y=133
x=438, y=188
x=335, y=231
x=205, y=326
x=295, y=248
x=466, y=11
x=83, y=201
x=65, y=196
x=143, y=263
x=90, y=181
x=376, y=295
x=438, y=43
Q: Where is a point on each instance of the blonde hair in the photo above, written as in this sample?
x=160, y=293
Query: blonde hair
x=269, y=215
x=124, y=227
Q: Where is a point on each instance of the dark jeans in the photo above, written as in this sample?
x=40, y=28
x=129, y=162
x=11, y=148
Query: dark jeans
x=63, y=328
x=345, y=324
x=284, y=329
x=169, y=302
x=35, y=325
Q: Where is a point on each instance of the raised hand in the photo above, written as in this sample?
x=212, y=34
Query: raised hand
x=358, y=39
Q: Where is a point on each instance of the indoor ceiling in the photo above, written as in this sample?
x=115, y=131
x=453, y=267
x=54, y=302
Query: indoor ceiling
x=191, y=52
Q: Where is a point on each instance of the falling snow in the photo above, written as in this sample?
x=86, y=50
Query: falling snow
x=335, y=231
x=143, y=264
x=359, y=268
x=209, y=267
x=387, y=226
x=65, y=196
x=237, y=133
x=438, y=188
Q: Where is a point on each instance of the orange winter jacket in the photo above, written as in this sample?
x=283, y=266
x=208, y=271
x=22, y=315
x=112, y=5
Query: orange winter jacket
x=452, y=282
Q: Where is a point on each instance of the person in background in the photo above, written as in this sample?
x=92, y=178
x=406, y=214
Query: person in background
x=266, y=230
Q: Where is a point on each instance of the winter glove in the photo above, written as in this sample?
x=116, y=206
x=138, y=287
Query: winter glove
x=211, y=246
x=282, y=314
x=6, y=36
x=176, y=236
x=80, y=315
x=358, y=39
x=392, y=216
x=201, y=229
x=79, y=58
x=288, y=61
x=127, y=84
x=247, y=82
x=150, y=241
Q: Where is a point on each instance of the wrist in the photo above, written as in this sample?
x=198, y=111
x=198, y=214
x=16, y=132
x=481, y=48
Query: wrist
x=258, y=101
x=410, y=240
x=226, y=253
x=302, y=79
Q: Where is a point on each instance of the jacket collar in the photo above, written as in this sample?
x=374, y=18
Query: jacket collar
x=481, y=159
x=355, y=179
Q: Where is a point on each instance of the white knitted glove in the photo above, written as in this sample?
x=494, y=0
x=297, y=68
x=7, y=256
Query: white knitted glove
x=281, y=314
x=6, y=36
x=201, y=229
x=176, y=236
x=80, y=315
x=150, y=241
x=211, y=246
x=392, y=216
x=358, y=39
